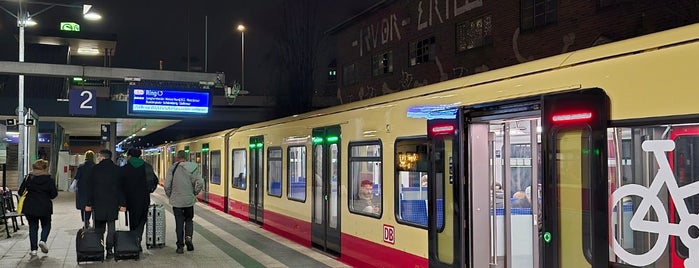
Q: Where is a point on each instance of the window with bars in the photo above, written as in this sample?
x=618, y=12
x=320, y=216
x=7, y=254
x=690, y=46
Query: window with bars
x=422, y=51
x=537, y=13
x=473, y=34
x=382, y=63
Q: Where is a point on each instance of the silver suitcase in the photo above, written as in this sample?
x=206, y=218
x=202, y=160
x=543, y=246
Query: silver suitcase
x=155, y=226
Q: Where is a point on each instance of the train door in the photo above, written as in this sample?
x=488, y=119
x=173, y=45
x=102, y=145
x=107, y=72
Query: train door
x=205, y=172
x=326, y=196
x=576, y=224
x=257, y=188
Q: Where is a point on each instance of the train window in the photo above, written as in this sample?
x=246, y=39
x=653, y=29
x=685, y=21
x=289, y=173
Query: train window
x=215, y=164
x=239, y=163
x=297, y=173
x=365, y=165
x=648, y=200
x=274, y=171
x=382, y=63
x=411, y=165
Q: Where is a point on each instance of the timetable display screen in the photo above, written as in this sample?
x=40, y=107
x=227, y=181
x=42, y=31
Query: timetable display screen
x=151, y=101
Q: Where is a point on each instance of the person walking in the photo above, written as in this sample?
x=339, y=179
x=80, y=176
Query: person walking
x=82, y=176
x=105, y=197
x=38, y=207
x=137, y=180
x=182, y=184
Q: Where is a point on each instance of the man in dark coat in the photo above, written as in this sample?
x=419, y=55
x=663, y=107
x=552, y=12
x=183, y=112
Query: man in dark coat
x=136, y=186
x=82, y=176
x=104, y=197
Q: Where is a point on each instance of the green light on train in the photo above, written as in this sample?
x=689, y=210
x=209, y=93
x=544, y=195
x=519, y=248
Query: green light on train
x=317, y=140
x=547, y=237
x=252, y=146
x=596, y=152
x=332, y=139
x=585, y=151
x=259, y=145
x=204, y=150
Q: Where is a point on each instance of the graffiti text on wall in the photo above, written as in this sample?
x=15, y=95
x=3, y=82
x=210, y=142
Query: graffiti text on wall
x=431, y=10
x=369, y=35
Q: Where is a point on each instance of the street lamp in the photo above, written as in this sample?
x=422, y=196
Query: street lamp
x=241, y=29
x=24, y=19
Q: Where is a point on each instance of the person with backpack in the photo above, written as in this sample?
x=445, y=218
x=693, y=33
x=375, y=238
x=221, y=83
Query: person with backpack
x=182, y=184
x=138, y=182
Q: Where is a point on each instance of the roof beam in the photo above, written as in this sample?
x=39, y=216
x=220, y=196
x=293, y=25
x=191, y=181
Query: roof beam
x=64, y=70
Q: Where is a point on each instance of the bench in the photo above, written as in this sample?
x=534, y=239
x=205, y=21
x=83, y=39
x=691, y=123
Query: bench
x=8, y=211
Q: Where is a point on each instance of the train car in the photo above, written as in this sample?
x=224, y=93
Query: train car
x=567, y=161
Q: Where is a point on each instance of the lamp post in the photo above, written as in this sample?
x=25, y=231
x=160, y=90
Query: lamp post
x=241, y=29
x=24, y=19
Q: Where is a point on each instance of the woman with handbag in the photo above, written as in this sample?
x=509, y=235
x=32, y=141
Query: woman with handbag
x=40, y=188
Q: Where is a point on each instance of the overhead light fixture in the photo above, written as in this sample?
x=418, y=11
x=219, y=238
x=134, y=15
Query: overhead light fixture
x=88, y=51
x=89, y=14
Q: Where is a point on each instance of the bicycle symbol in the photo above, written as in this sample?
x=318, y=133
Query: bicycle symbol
x=650, y=199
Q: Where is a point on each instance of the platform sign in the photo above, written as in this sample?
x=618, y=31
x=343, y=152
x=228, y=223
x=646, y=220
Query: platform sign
x=82, y=102
x=175, y=102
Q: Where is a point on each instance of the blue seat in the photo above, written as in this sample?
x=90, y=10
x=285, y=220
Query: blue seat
x=414, y=211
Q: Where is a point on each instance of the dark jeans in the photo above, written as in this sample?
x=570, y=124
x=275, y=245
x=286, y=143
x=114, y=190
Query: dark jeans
x=99, y=227
x=139, y=224
x=34, y=230
x=183, y=220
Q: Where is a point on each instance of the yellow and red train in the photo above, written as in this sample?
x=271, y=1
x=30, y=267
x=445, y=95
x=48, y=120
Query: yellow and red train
x=516, y=167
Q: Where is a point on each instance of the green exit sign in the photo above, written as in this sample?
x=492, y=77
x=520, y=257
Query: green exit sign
x=70, y=27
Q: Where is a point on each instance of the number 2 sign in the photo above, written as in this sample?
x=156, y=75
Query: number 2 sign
x=82, y=102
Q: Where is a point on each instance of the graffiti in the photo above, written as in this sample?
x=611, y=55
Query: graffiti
x=442, y=75
x=459, y=72
x=515, y=48
x=407, y=80
x=370, y=92
x=369, y=35
x=432, y=9
x=568, y=41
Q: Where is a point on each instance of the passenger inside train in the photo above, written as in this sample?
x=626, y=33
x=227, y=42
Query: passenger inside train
x=365, y=200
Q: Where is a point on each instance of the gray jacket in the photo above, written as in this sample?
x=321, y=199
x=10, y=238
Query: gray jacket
x=186, y=185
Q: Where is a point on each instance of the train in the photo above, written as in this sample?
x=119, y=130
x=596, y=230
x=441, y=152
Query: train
x=584, y=159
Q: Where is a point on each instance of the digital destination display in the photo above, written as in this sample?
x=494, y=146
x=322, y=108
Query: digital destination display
x=168, y=101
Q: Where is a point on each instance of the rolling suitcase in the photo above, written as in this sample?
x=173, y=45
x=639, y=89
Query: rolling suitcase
x=89, y=245
x=155, y=226
x=126, y=244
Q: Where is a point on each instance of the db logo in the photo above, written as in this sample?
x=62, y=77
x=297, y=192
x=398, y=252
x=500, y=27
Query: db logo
x=389, y=234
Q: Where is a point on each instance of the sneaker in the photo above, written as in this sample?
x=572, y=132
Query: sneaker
x=32, y=253
x=44, y=248
x=188, y=242
x=180, y=251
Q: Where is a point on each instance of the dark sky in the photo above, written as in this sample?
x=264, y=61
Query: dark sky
x=154, y=30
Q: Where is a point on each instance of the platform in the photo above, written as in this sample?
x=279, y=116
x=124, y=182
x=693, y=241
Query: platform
x=220, y=240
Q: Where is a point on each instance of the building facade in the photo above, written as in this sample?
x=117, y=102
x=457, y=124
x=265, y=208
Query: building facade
x=398, y=45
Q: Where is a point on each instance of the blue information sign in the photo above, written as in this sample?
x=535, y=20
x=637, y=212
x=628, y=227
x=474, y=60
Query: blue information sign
x=82, y=101
x=168, y=101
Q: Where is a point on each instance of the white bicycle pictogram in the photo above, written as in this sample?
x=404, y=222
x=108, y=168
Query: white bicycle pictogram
x=662, y=226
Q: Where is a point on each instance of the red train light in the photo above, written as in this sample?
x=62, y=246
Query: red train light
x=572, y=117
x=442, y=130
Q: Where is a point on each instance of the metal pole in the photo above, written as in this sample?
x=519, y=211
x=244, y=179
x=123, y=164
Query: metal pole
x=21, y=154
x=242, y=60
x=206, y=44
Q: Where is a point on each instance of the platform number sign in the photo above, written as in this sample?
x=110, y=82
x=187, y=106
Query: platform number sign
x=389, y=234
x=82, y=102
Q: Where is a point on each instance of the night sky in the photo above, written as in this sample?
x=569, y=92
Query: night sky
x=154, y=30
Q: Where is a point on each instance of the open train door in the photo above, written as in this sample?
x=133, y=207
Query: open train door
x=576, y=227
x=325, y=225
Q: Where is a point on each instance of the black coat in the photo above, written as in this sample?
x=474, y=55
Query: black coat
x=41, y=189
x=82, y=176
x=104, y=192
x=136, y=192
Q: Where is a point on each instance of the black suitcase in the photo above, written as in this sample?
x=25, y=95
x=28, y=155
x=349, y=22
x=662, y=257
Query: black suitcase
x=126, y=244
x=89, y=245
